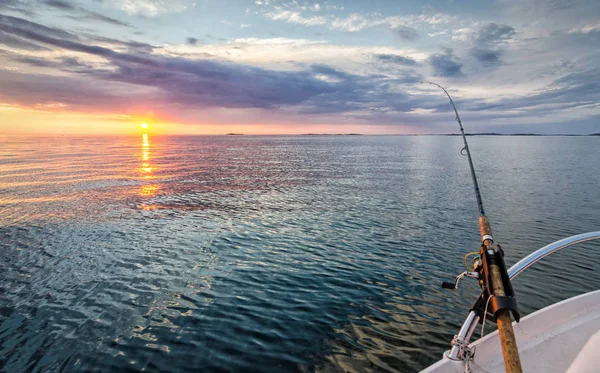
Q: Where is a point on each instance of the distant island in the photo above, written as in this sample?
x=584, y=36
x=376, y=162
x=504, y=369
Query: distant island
x=234, y=134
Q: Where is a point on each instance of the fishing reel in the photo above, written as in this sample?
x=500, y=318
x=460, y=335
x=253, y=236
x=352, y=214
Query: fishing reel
x=454, y=286
x=474, y=272
x=488, y=304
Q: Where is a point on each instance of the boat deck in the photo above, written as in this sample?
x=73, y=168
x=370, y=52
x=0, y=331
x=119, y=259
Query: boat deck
x=550, y=340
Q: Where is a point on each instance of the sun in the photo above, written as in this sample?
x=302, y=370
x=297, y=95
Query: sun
x=144, y=125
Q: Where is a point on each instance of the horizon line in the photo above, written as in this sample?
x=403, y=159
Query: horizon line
x=301, y=134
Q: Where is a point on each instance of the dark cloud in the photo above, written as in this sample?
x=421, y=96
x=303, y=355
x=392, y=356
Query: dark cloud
x=60, y=4
x=489, y=43
x=329, y=71
x=131, y=45
x=19, y=43
x=70, y=64
x=38, y=62
x=560, y=68
x=85, y=15
x=132, y=74
x=573, y=90
x=406, y=33
x=191, y=41
x=15, y=6
x=37, y=90
x=446, y=64
x=202, y=83
x=493, y=34
x=16, y=25
x=58, y=38
x=487, y=57
x=395, y=59
x=409, y=77
x=9, y=4
x=82, y=14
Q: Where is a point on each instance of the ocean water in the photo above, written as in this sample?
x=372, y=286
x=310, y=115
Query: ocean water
x=269, y=254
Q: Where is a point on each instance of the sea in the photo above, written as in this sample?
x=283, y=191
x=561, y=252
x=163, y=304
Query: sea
x=273, y=253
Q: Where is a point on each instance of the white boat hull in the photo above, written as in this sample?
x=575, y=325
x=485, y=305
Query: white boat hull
x=558, y=338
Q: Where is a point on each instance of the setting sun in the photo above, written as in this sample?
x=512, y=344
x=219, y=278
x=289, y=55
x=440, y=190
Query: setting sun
x=144, y=125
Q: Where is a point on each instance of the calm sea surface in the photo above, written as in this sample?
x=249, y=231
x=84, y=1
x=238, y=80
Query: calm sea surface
x=272, y=254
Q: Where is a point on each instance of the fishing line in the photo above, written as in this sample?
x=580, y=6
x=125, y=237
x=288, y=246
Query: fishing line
x=484, y=315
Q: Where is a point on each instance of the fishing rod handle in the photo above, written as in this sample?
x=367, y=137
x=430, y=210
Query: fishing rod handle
x=512, y=361
x=510, y=351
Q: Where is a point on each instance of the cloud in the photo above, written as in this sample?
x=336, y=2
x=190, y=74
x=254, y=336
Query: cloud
x=353, y=23
x=493, y=34
x=294, y=5
x=490, y=42
x=329, y=73
x=586, y=28
x=34, y=32
x=446, y=64
x=82, y=14
x=85, y=15
x=64, y=92
x=395, y=59
x=69, y=64
x=295, y=17
x=303, y=80
x=191, y=84
x=544, y=17
x=406, y=33
x=128, y=45
x=574, y=90
x=18, y=43
x=404, y=26
x=150, y=8
x=59, y=4
x=22, y=28
x=544, y=7
x=487, y=57
x=279, y=53
x=23, y=34
x=15, y=6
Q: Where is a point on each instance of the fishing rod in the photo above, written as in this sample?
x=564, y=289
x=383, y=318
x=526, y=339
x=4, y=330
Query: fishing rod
x=466, y=150
x=493, y=278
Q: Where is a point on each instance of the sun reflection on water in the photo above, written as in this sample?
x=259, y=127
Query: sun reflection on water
x=145, y=148
x=147, y=190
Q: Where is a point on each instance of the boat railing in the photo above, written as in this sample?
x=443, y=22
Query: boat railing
x=461, y=340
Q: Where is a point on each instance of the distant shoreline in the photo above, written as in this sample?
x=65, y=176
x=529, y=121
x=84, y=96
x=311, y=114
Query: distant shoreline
x=331, y=134
x=305, y=134
x=513, y=134
x=442, y=134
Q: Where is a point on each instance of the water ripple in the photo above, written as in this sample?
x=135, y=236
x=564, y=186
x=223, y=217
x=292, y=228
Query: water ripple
x=271, y=253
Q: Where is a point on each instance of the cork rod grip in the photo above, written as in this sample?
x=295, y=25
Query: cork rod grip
x=512, y=361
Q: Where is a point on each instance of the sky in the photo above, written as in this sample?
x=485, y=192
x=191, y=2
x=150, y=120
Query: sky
x=294, y=67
